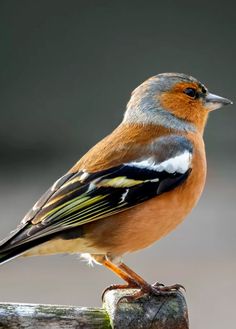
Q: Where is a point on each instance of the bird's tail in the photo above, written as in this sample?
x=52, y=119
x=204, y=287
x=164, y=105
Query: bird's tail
x=13, y=246
x=7, y=255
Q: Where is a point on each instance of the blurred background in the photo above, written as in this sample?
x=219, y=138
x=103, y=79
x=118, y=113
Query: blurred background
x=67, y=70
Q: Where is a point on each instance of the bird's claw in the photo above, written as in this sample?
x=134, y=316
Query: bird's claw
x=174, y=287
x=156, y=289
x=115, y=287
x=158, y=284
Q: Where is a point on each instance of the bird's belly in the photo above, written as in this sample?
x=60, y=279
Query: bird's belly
x=60, y=246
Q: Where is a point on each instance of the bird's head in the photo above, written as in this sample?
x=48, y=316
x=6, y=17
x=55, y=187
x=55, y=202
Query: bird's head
x=174, y=100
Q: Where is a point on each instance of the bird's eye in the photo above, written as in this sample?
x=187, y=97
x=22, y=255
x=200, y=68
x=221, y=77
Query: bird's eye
x=191, y=92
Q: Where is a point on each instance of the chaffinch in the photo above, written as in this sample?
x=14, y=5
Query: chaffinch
x=130, y=189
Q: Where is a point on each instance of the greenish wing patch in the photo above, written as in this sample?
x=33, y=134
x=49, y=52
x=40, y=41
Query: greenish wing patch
x=88, y=197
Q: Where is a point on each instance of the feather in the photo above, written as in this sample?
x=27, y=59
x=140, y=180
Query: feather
x=80, y=198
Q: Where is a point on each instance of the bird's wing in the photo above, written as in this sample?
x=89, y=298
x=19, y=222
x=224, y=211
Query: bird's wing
x=83, y=197
x=37, y=207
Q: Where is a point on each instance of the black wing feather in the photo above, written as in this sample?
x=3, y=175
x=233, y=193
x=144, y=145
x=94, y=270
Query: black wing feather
x=109, y=201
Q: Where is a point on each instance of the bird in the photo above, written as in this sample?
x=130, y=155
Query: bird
x=132, y=188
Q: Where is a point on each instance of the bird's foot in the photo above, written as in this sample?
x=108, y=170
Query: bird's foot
x=118, y=286
x=158, y=284
x=156, y=289
x=162, y=288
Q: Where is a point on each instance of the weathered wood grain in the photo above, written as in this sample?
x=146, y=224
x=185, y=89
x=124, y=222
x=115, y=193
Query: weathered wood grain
x=149, y=312
x=32, y=316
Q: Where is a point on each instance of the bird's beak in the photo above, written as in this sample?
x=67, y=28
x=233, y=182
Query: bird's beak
x=214, y=102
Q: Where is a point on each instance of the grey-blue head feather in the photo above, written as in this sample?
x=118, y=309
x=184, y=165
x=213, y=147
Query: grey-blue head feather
x=144, y=106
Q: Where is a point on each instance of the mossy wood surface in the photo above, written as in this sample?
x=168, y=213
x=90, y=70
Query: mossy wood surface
x=52, y=316
x=149, y=312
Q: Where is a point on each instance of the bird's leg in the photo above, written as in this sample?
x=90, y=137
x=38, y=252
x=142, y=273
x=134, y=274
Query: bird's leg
x=136, y=281
x=145, y=287
x=142, y=282
x=156, y=288
x=121, y=274
x=133, y=280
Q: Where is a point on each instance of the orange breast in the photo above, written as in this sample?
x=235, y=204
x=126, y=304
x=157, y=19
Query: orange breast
x=142, y=225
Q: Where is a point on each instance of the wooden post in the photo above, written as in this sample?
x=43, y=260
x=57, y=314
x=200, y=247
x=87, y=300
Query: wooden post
x=152, y=312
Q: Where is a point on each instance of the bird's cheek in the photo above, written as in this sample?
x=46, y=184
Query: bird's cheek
x=176, y=104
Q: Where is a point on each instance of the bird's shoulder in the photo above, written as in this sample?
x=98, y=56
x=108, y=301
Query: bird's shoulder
x=127, y=143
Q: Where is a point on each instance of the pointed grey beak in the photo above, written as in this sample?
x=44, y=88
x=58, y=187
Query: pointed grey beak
x=214, y=102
